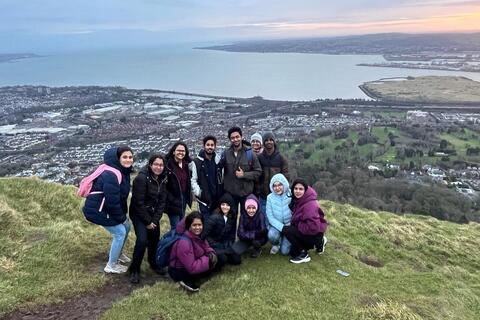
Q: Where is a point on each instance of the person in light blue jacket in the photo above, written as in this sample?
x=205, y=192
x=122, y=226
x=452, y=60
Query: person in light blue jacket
x=278, y=213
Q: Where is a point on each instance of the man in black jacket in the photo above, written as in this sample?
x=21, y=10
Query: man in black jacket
x=207, y=177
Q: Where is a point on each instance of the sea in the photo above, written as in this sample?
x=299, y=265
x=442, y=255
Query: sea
x=280, y=76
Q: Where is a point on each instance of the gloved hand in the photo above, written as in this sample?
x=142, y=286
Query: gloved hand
x=212, y=258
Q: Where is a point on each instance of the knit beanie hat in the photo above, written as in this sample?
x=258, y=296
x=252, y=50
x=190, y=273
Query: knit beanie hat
x=251, y=202
x=256, y=136
x=268, y=135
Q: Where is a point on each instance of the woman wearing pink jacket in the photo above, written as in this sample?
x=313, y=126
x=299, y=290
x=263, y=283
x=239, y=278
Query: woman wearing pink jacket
x=308, y=223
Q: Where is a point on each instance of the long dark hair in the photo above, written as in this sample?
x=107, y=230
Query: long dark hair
x=294, y=183
x=192, y=216
x=171, y=152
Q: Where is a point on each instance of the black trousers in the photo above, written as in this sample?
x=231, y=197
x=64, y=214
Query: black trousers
x=146, y=239
x=193, y=280
x=301, y=241
x=236, y=202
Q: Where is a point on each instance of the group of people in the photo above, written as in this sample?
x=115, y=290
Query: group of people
x=246, y=185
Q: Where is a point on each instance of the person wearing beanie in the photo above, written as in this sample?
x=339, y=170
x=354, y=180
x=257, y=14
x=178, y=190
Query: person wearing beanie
x=241, y=169
x=256, y=142
x=272, y=162
x=219, y=231
x=252, y=230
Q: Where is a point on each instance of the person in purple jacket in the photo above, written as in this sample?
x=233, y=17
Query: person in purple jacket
x=308, y=223
x=191, y=258
x=252, y=230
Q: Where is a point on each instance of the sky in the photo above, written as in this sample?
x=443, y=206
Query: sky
x=46, y=24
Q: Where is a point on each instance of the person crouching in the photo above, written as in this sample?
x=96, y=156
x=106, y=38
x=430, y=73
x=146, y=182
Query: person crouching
x=191, y=258
x=252, y=230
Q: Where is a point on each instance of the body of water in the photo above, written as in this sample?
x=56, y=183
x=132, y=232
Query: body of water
x=283, y=76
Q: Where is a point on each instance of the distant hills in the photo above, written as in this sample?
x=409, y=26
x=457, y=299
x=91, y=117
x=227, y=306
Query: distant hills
x=5, y=57
x=383, y=43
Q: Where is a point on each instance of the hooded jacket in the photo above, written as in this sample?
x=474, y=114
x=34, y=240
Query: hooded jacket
x=308, y=217
x=174, y=194
x=190, y=254
x=115, y=207
x=253, y=228
x=201, y=187
x=149, y=196
x=278, y=212
x=239, y=187
x=220, y=233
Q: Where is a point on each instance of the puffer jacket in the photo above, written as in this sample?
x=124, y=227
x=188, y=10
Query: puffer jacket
x=220, y=233
x=190, y=254
x=149, y=197
x=106, y=186
x=253, y=228
x=308, y=217
x=174, y=193
x=278, y=212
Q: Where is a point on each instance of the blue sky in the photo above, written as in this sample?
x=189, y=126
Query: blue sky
x=62, y=23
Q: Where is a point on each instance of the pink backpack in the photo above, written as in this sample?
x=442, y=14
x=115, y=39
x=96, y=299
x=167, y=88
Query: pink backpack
x=86, y=184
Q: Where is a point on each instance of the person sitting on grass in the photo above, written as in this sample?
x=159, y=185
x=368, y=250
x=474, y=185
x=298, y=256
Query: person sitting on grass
x=278, y=213
x=220, y=232
x=252, y=230
x=308, y=223
x=191, y=259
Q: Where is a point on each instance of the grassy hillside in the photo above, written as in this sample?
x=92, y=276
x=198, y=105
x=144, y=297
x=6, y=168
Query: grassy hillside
x=402, y=267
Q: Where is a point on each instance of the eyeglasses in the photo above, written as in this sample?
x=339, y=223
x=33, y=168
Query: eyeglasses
x=277, y=185
x=180, y=151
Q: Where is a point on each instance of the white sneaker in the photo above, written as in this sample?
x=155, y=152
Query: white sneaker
x=124, y=259
x=115, y=268
x=274, y=249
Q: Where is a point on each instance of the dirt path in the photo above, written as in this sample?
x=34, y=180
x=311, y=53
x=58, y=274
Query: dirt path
x=88, y=306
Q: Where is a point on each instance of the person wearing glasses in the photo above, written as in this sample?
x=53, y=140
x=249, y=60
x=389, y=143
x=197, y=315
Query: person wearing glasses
x=279, y=214
x=149, y=197
x=178, y=183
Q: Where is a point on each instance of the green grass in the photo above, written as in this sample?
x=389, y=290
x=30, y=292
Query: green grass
x=425, y=269
x=402, y=267
x=47, y=249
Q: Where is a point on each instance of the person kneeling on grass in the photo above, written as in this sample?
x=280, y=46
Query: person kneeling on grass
x=278, y=213
x=220, y=232
x=252, y=231
x=191, y=258
x=308, y=223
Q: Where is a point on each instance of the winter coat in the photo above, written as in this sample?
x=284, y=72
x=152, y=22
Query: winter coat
x=174, y=194
x=115, y=207
x=308, y=217
x=149, y=197
x=239, y=187
x=253, y=228
x=220, y=233
x=278, y=212
x=271, y=165
x=190, y=254
x=200, y=186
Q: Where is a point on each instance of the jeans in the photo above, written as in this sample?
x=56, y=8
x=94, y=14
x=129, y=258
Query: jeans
x=205, y=211
x=175, y=218
x=277, y=239
x=120, y=235
x=146, y=239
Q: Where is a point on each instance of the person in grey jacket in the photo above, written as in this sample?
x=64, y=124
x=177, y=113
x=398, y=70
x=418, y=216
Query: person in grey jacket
x=241, y=169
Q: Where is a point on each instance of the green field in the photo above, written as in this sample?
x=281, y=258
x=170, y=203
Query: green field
x=401, y=267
